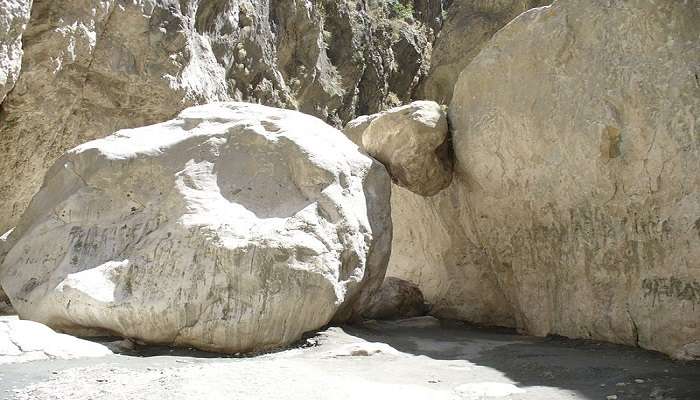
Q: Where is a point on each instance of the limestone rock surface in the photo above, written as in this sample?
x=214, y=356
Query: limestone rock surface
x=234, y=227
x=411, y=141
x=434, y=247
x=23, y=341
x=576, y=199
x=467, y=29
x=396, y=299
x=14, y=15
x=92, y=67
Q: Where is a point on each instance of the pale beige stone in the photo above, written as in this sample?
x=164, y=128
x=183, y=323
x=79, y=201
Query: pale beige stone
x=24, y=341
x=411, y=141
x=467, y=29
x=234, y=227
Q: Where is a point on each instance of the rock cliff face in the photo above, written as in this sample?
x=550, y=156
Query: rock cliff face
x=234, y=227
x=469, y=26
x=575, y=205
x=14, y=15
x=92, y=67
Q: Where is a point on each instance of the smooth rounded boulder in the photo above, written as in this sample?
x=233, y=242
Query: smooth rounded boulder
x=413, y=143
x=468, y=28
x=233, y=227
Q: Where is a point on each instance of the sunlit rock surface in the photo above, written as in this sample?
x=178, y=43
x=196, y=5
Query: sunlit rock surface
x=411, y=141
x=92, y=67
x=14, y=15
x=22, y=341
x=233, y=227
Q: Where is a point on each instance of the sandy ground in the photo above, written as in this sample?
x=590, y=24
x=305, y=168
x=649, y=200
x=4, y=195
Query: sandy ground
x=413, y=359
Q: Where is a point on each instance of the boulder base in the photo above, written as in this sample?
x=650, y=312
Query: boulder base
x=395, y=299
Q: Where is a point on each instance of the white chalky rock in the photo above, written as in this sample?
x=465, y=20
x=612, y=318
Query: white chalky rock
x=233, y=227
x=22, y=341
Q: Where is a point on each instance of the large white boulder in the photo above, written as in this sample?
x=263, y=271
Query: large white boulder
x=22, y=341
x=233, y=227
x=5, y=305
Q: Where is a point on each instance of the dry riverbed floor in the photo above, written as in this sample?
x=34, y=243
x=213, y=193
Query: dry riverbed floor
x=419, y=358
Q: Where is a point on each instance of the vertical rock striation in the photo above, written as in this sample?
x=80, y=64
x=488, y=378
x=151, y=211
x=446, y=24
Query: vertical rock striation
x=467, y=29
x=92, y=67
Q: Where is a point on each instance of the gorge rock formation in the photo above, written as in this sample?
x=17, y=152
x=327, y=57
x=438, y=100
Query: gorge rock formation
x=5, y=305
x=93, y=67
x=412, y=141
x=467, y=29
x=575, y=205
x=14, y=15
x=234, y=227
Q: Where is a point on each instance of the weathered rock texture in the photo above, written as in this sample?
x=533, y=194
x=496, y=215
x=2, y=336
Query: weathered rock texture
x=412, y=141
x=576, y=201
x=5, y=305
x=234, y=227
x=395, y=299
x=92, y=67
x=467, y=29
x=434, y=246
x=23, y=341
x=14, y=15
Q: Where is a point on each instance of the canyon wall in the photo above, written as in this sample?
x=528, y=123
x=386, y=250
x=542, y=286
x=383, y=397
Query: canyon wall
x=576, y=202
x=92, y=67
x=574, y=206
